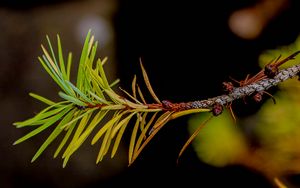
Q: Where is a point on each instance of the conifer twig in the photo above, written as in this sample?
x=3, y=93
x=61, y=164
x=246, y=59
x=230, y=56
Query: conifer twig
x=238, y=92
x=85, y=104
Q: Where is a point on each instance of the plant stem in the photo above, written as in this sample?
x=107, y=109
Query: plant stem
x=237, y=92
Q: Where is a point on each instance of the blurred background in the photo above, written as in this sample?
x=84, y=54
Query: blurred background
x=188, y=49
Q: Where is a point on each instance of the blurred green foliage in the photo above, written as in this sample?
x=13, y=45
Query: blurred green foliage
x=220, y=142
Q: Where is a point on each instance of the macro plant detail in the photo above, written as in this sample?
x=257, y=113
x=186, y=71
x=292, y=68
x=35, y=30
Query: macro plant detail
x=94, y=107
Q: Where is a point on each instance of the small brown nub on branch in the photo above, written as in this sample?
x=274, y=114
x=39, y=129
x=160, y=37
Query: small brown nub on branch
x=271, y=71
x=80, y=107
x=167, y=105
x=228, y=87
x=257, y=97
x=217, y=109
x=175, y=107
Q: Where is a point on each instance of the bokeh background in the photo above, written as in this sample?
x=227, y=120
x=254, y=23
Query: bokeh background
x=188, y=49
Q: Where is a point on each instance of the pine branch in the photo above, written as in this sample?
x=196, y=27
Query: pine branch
x=239, y=92
x=86, y=103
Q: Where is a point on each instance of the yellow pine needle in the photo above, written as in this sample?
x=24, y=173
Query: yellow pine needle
x=132, y=97
x=143, y=121
x=133, y=137
x=121, y=123
x=159, y=125
x=104, y=60
x=122, y=100
x=63, y=142
x=50, y=60
x=77, y=118
x=105, y=144
x=143, y=133
x=164, y=116
x=108, y=125
x=91, y=42
x=232, y=113
x=141, y=94
x=133, y=86
x=279, y=183
x=192, y=137
x=80, y=127
x=147, y=82
x=119, y=136
x=187, y=112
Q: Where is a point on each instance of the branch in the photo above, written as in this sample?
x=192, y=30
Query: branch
x=86, y=103
x=238, y=92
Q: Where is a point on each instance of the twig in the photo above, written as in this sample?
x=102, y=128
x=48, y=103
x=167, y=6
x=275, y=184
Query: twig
x=237, y=92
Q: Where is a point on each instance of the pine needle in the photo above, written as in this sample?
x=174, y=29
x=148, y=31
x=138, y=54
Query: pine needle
x=146, y=79
x=192, y=137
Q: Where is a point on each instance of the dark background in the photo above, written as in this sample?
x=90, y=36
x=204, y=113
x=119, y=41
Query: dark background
x=187, y=49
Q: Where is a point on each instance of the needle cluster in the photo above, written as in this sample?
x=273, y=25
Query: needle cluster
x=81, y=113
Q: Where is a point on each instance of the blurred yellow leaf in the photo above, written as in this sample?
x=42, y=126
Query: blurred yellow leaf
x=220, y=142
x=283, y=51
x=278, y=126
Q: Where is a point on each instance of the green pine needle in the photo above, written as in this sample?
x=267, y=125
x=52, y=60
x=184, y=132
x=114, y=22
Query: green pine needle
x=85, y=105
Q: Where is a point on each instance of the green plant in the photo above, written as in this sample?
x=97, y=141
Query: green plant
x=85, y=104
